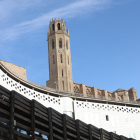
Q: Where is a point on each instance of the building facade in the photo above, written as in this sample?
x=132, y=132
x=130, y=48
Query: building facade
x=118, y=117
x=60, y=67
x=117, y=111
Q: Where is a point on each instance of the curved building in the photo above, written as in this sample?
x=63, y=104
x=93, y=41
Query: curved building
x=117, y=111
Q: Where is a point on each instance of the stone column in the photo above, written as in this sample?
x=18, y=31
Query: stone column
x=105, y=94
x=133, y=94
x=115, y=95
x=94, y=92
x=126, y=97
x=83, y=89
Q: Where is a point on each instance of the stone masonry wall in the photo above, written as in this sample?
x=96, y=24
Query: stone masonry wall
x=118, y=95
x=17, y=70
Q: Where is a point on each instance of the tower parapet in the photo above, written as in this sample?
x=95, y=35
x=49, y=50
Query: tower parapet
x=58, y=26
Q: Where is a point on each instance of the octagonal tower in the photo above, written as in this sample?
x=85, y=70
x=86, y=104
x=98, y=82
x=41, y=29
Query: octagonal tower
x=60, y=67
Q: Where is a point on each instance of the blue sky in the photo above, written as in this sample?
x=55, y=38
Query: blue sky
x=104, y=38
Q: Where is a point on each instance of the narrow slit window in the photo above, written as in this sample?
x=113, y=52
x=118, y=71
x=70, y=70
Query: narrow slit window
x=53, y=60
x=60, y=43
x=107, y=118
x=52, y=44
x=67, y=45
x=62, y=73
x=61, y=58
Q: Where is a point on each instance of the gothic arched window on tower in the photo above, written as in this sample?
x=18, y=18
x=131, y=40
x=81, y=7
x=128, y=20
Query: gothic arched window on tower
x=58, y=25
x=60, y=43
x=61, y=58
x=67, y=45
x=52, y=44
x=53, y=60
x=53, y=27
x=62, y=73
x=63, y=85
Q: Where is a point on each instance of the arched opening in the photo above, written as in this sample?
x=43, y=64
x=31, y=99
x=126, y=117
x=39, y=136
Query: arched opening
x=109, y=97
x=119, y=98
x=58, y=25
x=53, y=60
x=60, y=43
x=53, y=27
x=61, y=58
x=88, y=92
x=76, y=89
x=67, y=45
x=52, y=44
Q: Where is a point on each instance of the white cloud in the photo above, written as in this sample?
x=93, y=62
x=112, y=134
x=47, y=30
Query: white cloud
x=71, y=10
x=8, y=7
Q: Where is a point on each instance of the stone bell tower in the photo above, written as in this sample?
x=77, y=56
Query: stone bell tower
x=60, y=67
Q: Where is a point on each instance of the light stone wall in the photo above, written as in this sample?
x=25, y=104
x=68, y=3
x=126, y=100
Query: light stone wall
x=118, y=95
x=17, y=70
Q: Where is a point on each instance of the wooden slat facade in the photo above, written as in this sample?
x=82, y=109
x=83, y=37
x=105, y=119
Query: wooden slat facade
x=24, y=119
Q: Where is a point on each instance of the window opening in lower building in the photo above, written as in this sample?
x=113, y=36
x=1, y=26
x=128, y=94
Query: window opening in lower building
x=107, y=118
